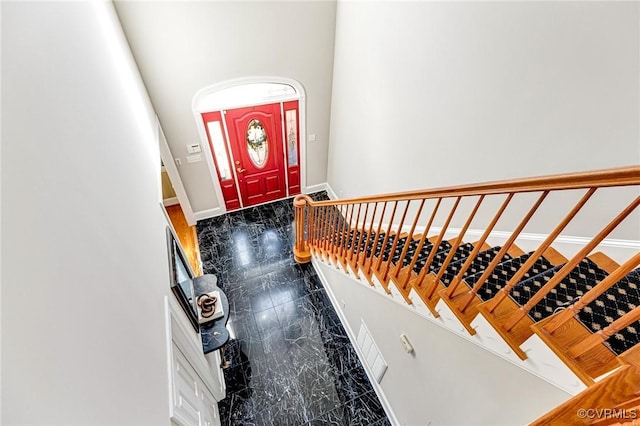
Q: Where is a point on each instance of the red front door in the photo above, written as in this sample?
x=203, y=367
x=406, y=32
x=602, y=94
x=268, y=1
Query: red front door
x=255, y=138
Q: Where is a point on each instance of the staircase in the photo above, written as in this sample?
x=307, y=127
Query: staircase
x=540, y=296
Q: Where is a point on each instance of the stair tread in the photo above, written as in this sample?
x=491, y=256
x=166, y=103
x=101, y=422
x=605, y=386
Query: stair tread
x=479, y=264
x=385, y=249
x=461, y=254
x=411, y=253
x=375, y=242
x=411, y=250
x=621, y=298
x=438, y=260
x=397, y=250
x=424, y=252
x=504, y=271
x=580, y=280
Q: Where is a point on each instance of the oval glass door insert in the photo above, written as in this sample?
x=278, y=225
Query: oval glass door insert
x=257, y=143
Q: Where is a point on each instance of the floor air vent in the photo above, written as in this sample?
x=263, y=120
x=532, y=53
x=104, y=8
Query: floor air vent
x=373, y=358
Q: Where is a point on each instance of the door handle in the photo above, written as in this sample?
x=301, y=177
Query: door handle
x=241, y=170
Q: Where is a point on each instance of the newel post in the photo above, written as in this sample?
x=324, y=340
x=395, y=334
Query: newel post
x=301, y=251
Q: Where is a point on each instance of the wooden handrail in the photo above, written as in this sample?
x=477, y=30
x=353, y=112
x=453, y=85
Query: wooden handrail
x=621, y=176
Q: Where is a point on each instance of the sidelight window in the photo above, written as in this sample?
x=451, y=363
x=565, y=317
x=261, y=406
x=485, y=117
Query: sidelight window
x=219, y=150
x=292, y=137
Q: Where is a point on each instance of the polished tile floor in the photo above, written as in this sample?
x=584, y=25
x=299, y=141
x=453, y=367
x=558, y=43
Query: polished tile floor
x=291, y=362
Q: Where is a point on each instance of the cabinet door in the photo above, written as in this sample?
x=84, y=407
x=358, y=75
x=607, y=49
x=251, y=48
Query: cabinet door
x=215, y=360
x=209, y=414
x=187, y=403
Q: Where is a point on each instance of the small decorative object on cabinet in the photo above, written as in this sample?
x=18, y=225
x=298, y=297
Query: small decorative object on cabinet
x=213, y=330
x=209, y=306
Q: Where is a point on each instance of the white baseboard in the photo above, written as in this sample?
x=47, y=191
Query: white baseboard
x=353, y=339
x=315, y=188
x=331, y=192
x=170, y=201
x=206, y=214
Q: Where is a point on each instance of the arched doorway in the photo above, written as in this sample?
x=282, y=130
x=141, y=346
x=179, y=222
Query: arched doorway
x=254, y=130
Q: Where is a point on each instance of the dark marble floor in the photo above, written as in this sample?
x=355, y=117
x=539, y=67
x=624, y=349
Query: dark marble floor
x=291, y=362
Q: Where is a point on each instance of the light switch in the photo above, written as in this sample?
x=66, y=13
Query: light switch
x=194, y=158
x=312, y=137
x=193, y=148
x=178, y=162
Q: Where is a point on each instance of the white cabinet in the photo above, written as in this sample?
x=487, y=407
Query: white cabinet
x=186, y=404
x=210, y=415
x=192, y=386
x=192, y=402
x=215, y=361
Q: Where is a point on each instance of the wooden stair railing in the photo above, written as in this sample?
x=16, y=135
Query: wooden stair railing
x=408, y=244
x=512, y=322
x=626, y=176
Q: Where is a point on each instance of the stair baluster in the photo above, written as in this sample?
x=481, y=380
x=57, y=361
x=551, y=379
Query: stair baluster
x=356, y=249
x=394, y=245
x=561, y=317
x=568, y=267
x=352, y=241
x=406, y=246
x=435, y=283
x=423, y=239
x=443, y=231
x=460, y=305
x=373, y=248
x=361, y=257
x=386, y=236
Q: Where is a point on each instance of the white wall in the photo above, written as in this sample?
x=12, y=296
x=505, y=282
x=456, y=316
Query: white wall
x=84, y=262
x=448, y=380
x=182, y=47
x=429, y=94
